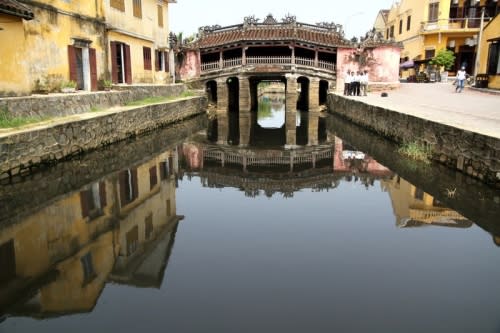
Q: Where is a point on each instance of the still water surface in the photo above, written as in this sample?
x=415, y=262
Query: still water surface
x=186, y=230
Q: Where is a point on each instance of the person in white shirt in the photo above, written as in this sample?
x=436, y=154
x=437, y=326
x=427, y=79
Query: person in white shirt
x=347, y=83
x=461, y=76
x=364, y=82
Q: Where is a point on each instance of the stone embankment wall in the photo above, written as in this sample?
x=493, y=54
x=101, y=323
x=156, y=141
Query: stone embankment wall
x=473, y=154
x=23, y=150
x=59, y=105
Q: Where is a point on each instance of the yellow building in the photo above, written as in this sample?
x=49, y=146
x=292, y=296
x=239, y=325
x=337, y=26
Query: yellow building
x=489, y=62
x=43, y=46
x=55, y=41
x=427, y=26
x=138, y=33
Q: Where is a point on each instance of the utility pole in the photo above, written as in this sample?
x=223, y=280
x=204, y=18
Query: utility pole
x=478, y=53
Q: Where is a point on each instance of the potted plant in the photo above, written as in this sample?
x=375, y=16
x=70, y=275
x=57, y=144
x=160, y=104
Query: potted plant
x=444, y=59
x=68, y=86
x=105, y=84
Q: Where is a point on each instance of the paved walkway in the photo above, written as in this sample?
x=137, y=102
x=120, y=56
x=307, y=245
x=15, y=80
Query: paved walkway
x=471, y=110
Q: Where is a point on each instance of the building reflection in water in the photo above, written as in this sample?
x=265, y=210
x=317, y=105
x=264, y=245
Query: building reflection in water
x=415, y=208
x=119, y=229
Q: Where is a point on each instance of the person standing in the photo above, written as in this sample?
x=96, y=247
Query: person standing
x=461, y=75
x=347, y=83
x=364, y=82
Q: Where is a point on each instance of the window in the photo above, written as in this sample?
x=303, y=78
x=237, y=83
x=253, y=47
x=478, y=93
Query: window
x=146, y=54
x=169, y=208
x=400, y=26
x=128, y=186
x=160, y=16
x=88, y=268
x=391, y=34
x=148, y=226
x=433, y=11
x=93, y=200
x=160, y=63
x=494, y=58
x=153, y=177
x=7, y=262
x=137, y=8
x=118, y=4
x=419, y=194
x=408, y=23
x=429, y=54
x=387, y=34
x=132, y=238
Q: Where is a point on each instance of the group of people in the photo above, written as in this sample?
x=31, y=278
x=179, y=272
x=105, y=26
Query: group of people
x=355, y=83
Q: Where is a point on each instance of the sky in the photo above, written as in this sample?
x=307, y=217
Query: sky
x=357, y=16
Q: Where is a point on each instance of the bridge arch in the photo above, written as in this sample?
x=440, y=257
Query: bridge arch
x=303, y=83
x=324, y=86
x=233, y=93
x=211, y=91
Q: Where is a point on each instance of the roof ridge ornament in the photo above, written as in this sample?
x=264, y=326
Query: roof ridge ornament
x=208, y=29
x=289, y=19
x=250, y=20
x=270, y=20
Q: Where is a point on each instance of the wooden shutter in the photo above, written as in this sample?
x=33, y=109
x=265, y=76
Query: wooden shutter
x=84, y=204
x=157, y=60
x=93, y=69
x=102, y=194
x=135, y=186
x=122, y=180
x=114, y=65
x=153, y=177
x=73, y=76
x=165, y=58
x=128, y=64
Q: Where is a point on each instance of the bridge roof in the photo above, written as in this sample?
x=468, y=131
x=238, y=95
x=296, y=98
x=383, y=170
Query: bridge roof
x=321, y=34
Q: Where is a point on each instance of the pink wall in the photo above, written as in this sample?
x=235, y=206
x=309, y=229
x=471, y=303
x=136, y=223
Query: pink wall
x=191, y=66
x=382, y=64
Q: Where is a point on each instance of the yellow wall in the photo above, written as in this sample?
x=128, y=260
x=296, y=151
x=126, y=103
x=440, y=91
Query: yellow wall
x=13, y=63
x=492, y=30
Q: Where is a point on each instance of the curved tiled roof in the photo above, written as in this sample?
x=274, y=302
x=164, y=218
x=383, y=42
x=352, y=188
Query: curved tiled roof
x=15, y=8
x=275, y=32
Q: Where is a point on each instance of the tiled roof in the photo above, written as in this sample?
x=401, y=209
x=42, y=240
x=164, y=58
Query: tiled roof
x=280, y=32
x=13, y=7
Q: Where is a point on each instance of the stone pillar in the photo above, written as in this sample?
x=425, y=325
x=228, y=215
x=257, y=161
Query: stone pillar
x=244, y=55
x=245, y=127
x=291, y=110
x=293, y=54
x=316, y=59
x=244, y=102
x=312, y=128
x=221, y=59
x=222, y=96
x=314, y=94
x=222, y=128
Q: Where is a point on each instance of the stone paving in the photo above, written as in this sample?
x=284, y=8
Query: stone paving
x=471, y=110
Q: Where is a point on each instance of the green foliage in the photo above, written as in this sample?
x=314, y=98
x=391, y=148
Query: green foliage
x=416, y=151
x=68, y=84
x=7, y=120
x=160, y=99
x=445, y=58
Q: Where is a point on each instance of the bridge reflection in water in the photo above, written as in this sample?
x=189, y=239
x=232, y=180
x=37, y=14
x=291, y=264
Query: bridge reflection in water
x=57, y=256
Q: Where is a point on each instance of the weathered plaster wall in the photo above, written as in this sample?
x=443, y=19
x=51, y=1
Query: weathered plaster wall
x=191, y=66
x=57, y=105
x=476, y=155
x=50, y=143
x=382, y=64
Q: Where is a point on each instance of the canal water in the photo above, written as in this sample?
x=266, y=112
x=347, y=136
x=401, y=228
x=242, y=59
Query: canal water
x=189, y=230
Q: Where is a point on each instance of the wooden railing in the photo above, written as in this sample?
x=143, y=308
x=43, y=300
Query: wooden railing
x=262, y=60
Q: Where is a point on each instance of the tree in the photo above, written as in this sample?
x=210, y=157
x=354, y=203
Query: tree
x=445, y=58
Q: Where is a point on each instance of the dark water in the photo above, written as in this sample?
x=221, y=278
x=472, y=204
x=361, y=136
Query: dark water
x=174, y=232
